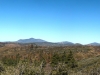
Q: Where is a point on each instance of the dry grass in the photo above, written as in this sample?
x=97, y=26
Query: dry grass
x=88, y=59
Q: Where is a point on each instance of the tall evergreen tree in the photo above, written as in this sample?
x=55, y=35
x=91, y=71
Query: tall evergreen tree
x=70, y=60
x=55, y=59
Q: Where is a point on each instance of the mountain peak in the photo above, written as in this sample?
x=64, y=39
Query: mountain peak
x=30, y=40
x=95, y=44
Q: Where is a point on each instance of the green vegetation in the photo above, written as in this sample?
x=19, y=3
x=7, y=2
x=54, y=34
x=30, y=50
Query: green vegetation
x=40, y=60
x=9, y=61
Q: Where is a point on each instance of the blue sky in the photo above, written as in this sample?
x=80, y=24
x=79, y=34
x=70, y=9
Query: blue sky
x=77, y=21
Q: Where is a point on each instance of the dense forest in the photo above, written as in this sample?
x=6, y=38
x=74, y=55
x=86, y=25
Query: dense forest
x=31, y=59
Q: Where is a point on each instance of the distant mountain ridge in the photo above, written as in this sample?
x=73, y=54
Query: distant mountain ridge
x=30, y=40
x=43, y=42
x=95, y=44
x=66, y=43
x=46, y=43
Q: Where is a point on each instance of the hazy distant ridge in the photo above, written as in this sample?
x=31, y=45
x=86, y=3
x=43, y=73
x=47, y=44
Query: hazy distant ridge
x=46, y=43
x=30, y=40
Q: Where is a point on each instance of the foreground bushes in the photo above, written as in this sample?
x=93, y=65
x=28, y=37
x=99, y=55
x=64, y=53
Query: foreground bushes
x=60, y=64
x=1, y=68
x=65, y=59
x=10, y=61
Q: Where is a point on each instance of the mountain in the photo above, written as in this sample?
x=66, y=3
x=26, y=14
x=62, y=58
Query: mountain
x=44, y=43
x=30, y=40
x=41, y=42
x=66, y=43
x=78, y=44
x=54, y=44
x=95, y=44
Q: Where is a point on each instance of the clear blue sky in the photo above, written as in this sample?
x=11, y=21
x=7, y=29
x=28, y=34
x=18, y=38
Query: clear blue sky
x=77, y=21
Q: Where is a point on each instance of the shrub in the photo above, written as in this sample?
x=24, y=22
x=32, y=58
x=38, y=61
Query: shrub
x=10, y=61
x=1, y=68
x=55, y=59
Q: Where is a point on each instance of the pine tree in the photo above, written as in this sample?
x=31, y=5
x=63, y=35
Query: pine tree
x=71, y=63
x=55, y=59
x=63, y=57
